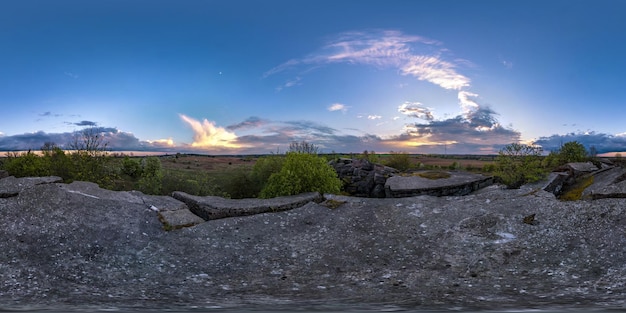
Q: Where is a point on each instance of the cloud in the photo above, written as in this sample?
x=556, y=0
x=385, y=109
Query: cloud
x=374, y=117
x=207, y=135
x=290, y=83
x=49, y=114
x=71, y=75
x=85, y=123
x=415, y=109
x=251, y=122
x=602, y=142
x=114, y=139
x=416, y=56
x=338, y=107
x=467, y=102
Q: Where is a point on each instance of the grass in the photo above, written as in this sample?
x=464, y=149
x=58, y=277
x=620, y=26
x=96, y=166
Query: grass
x=434, y=174
x=575, y=192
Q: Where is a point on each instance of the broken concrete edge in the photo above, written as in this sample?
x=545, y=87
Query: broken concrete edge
x=211, y=207
x=460, y=189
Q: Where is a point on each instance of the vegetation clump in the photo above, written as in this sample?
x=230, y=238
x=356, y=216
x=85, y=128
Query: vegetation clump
x=434, y=174
x=399, y=160
x=575, y=192
x=302, y=172
x=518, y=164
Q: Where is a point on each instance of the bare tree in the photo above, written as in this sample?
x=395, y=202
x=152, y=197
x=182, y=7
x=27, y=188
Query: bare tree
x=89, y=142
x=303, y=147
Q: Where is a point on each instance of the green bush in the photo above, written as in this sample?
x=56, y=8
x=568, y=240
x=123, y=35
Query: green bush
x=518, y=164
x=302, y=172
x=262, y=170
x=131, y=167
x=27, y=164
x=151, y=176
x=572, y=151
x=399, y=160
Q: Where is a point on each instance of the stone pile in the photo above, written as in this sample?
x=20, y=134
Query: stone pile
x=363, y=178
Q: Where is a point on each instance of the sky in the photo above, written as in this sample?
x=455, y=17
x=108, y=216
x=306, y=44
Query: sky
x=250, y=77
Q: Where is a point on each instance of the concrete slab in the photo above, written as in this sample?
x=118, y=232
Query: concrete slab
x=11, y=186
x=210, y=207
x=458, y=184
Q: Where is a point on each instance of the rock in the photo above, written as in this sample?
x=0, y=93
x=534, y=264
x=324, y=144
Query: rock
x=11, y=186
x=458, y=184
x=361, y=177
x=555, y=182
x=607, y=183
x=77, y=247
x=64, y=249
x=211, y=207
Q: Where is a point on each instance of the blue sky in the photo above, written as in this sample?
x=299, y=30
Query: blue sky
x=238, y=77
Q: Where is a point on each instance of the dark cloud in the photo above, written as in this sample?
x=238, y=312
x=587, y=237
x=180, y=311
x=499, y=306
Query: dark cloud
x=251, y=122
x=602, y=142
x=477, y=131
x=311, y=127
x=115, y=139
x=85, y=123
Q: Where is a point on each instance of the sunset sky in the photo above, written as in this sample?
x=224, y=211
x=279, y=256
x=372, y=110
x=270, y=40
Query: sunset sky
x=249, y=77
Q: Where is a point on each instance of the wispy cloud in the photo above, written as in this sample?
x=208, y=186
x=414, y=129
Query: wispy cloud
x=338, y=107
x=71, y=75
x=208, y=135
x=374, y=117
x=290, y=83
x=416, y=56
x=251, y=122
x=415, y=109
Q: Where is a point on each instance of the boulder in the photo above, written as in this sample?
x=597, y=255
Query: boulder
x=211, y=207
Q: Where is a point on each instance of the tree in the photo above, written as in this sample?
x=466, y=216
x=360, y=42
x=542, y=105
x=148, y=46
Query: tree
x=303, y=147
x=572, y=151
x=518, y=164
x=302, y=172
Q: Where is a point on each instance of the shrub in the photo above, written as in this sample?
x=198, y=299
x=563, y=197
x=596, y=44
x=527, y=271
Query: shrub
x=240, y=185
x=302, y=172
x=399, y=160
x=518, y=164
x=26, y=164
x=263, y=169
x=151, y=176
x=131, y=167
